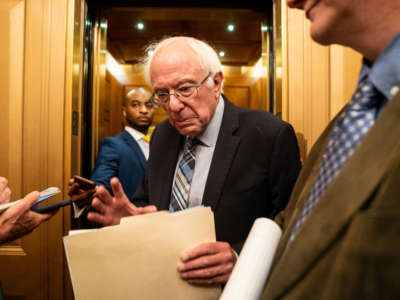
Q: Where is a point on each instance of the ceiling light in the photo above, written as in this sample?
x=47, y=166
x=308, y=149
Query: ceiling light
x=230, y=27
x=221, y=53
x=139, y=26
x=103, y=25
x=264, y=28
x=150, y=52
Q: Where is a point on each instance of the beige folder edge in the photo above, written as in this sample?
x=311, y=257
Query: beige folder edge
x=138, y=258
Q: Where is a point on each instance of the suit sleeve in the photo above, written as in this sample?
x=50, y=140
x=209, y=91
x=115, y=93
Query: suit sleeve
x=106, y=164
x=284, y=168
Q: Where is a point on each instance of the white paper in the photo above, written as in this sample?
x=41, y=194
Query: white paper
x=252, y=268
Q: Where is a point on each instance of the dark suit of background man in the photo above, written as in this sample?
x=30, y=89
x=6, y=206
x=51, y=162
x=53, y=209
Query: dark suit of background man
x=246, y=163
x=125, y=155
x=349, y=245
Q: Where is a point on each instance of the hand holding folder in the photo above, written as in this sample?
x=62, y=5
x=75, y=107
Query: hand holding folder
x=138, y=259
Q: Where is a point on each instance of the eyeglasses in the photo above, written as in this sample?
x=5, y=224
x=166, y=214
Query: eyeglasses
x=183, y=93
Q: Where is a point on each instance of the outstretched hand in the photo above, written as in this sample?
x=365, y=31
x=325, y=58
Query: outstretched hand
x=110, y=210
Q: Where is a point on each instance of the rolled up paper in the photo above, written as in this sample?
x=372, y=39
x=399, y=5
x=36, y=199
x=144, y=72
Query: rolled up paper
x=253, y=265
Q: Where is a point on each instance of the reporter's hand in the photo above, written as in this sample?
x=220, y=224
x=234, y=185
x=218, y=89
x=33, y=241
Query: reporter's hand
x=80, y=195
x=110, y=210
x=19, y=220
x=5, y=192
x=207, y=263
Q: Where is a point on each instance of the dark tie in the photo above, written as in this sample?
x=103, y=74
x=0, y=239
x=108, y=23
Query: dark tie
x=183, y=177
x=351, y=126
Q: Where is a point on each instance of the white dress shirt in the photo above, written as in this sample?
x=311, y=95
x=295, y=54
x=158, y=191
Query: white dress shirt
x=204, y=153
x=138, y=137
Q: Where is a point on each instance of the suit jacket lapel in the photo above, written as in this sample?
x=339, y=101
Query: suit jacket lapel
x=135, y=147
x=341, y=201
x=224, y=152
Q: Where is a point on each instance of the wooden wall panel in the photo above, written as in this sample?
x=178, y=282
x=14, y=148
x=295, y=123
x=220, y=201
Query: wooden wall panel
x=238, y=94
x=115, y=99
x=345, y=65
x=32, y=268
x=317, y=81
x=12, y=15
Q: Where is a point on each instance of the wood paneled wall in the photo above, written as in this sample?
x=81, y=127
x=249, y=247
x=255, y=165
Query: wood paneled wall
x=113, y=106
x=317, y=81
x=32, y=76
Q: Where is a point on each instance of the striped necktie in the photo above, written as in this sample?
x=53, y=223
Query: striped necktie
x=351, y=126
x=183, y=177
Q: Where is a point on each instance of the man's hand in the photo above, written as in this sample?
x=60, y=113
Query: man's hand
x=110, y=210
x=79, y=194
x=207, y=263
x=18, y=219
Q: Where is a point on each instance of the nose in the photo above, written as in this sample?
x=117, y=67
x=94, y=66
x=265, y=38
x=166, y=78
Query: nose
x=175, y=104
x=143, y=109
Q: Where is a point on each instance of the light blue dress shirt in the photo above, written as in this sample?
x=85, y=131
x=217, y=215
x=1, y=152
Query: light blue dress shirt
x=384, y=73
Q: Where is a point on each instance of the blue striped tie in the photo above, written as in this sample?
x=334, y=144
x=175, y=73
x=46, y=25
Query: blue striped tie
x=351, y=126
x=183, y=177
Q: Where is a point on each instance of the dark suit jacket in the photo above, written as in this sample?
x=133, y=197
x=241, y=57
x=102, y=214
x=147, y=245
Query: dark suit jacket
x=120, y=156
x=254, y=167
x=349, y=247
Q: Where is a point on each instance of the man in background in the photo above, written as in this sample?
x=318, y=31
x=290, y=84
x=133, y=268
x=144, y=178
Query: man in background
x=125, y=155
x=18, y=220
x=242, y=163
x=341, y=236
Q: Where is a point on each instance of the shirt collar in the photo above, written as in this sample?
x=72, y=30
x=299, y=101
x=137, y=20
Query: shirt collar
x=137, y=135
x=210, y=135
x=384, y=73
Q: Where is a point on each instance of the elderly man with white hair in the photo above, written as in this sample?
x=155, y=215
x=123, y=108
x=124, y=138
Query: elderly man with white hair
x=242, y=163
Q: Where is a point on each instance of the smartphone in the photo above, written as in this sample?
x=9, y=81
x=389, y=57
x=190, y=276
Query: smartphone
x=85, y=183
x=45, y=194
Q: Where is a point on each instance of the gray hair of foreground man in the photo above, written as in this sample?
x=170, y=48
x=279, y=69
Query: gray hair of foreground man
x=208, y=58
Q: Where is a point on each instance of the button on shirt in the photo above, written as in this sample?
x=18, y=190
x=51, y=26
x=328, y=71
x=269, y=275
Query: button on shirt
x=138, y=137
x=204, y=153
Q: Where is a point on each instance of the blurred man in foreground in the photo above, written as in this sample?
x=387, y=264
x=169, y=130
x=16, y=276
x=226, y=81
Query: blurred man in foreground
x=341, y=236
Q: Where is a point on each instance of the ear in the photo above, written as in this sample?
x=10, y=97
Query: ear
x=218, y=78
x=124, y=112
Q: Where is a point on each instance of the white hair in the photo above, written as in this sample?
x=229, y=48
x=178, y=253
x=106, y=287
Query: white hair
x=208, y=58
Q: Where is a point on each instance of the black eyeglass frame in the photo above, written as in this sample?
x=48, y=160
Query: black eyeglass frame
x=178, y=94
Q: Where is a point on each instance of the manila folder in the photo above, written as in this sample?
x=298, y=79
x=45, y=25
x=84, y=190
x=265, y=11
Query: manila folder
x=138, y=259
